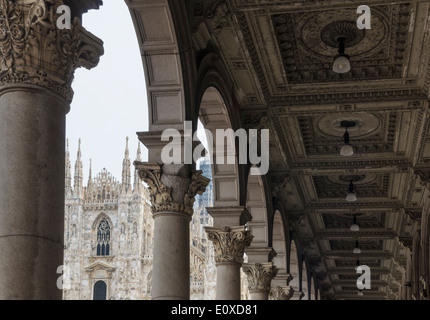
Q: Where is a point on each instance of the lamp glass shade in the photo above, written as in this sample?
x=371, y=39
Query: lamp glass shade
x=346, y=150
x=355, y=227
x=341, y=64
x=351, y=197
x=356, y=251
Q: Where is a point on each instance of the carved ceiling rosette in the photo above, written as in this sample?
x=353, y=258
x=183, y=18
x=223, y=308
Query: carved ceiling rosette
x=229, y=243
x=161, y=195
x=281, y=293
x=259, y=275
x=33, y=50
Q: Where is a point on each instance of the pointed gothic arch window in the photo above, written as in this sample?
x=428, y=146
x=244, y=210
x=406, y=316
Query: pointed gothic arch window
x=100, y=290
x=103, y=238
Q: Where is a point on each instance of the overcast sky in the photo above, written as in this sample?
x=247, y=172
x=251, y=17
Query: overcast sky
x=110, y=101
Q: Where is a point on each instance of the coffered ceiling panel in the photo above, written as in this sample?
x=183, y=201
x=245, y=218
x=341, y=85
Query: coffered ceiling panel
x=307, y=42
x=344, y=220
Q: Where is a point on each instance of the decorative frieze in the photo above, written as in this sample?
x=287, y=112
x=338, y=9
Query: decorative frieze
x=229, y=243
x=259, y=275
x=33, y=50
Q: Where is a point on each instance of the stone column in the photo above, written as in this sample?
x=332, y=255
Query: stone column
x=260, y=276
x=229, y=244
x=172, y=189
x=281, y=293
x=37, y=63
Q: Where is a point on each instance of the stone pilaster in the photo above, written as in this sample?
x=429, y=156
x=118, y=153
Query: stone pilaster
x=172, y=191
x=260, y=276
x=229, y=246
x=37, y=64
x=281, y=293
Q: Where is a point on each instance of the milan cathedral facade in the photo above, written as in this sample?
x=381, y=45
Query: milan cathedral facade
x=109, y=237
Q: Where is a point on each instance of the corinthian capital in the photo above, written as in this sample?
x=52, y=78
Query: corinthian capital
x=229, y=243
x=281, y=293
x=171, y=192
x=33, y=50
x=259, y=275
x=197, y=185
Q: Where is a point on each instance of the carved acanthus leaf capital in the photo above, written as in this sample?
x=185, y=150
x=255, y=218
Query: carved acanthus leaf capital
x=259, y=275
x=281, y=293
x=197, y=185
x=33, y=50
x=229, y=243
x=161, y=195
x=150, y=173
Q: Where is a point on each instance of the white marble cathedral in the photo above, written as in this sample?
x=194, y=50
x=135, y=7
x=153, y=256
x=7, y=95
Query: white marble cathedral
x=108, y=237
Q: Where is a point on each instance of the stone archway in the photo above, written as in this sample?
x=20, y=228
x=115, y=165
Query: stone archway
x=304, y=281
x=424, y=244
x=279, y=244
x=294, y=270
x=227, y=213
x=160, y=42
x=312, y=289
x=214, y=116
x=416, y=262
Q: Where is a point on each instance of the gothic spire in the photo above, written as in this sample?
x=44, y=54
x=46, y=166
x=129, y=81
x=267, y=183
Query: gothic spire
x=68, y=171
x=78, y=172
x=90, y=179
x=126, y=176
x=136, y=185
x=139, y=153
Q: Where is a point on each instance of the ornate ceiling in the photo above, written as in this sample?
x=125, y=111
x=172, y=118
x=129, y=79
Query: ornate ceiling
x=279, y=54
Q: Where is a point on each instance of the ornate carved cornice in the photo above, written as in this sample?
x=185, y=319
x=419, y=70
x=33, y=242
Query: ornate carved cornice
x=33, y=50
x=259, y=275
x=406, y=242
x=229, y=243
x=414, y=215
x=161, y=195
x=281, y=293
x=424, y=176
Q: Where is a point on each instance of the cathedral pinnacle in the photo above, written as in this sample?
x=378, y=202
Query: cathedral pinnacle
x=136, y=185
x=90, y=180
x=126, y=175
x=78, y=185
x=68, y=170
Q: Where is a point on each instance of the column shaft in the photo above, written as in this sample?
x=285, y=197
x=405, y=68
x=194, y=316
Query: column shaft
x=228, y=281
x=171, y=257
x=32, y=131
